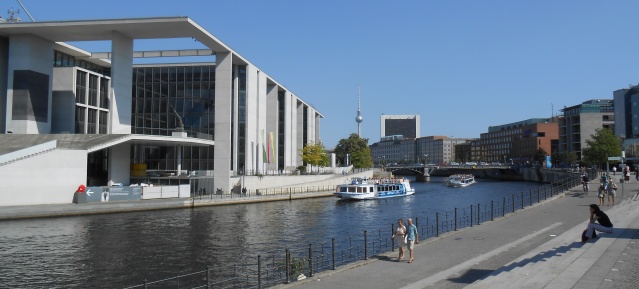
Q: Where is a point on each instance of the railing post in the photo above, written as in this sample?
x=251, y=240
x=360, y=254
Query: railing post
x=545, y=194
x=530, y=197
x=144, y=284
x=471, y=215
x=538, y=198
x=522, y=200
x=208, y=271
x=333, y=251
x=393, y=240
x=310, y=260
x=503, y=208
x=437, y=224
x=365, y=245
x=288, y=266
x=455, y=219
x=492, y=210
x=478, y=214
x=259, y=271
x=513, y=202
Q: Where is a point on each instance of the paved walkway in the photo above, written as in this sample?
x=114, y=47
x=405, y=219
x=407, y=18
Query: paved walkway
x=539, y=247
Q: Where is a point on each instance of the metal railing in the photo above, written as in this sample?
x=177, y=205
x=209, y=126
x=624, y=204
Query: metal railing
x=290, y=264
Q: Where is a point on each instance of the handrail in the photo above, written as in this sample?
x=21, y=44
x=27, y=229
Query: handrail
x=25, y=152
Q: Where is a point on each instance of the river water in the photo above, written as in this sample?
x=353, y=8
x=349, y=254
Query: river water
x=120, y=250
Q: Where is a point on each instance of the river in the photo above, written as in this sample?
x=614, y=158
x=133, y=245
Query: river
x=119, y=250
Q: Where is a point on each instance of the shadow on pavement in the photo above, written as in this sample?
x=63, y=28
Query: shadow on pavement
x=541, y=257
x=471, y=276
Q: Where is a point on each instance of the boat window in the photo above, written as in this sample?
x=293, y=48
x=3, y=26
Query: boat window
x=342, y=189
x=370, y=189
x=351, y=189
x=359, y=189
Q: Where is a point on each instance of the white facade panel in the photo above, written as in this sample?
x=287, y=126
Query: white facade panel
x=121, y=83
x=48, y=178
x=29, y=53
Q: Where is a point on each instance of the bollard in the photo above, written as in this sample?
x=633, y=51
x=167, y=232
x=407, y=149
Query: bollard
x=333, y=251
x=365, y=245
x=492, y=210
x=393, y=239
x=310, y=260
x=259, y=271
x=437, y=224
x=208, y=270
x=288, y=266
x=455, y=219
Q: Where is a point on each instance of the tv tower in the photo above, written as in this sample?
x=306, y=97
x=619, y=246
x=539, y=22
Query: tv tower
x=359, y=118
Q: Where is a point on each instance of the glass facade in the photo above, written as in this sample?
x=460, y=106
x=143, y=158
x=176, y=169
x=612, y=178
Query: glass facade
x=92, y=102
x=280, y=129
x=188, y=89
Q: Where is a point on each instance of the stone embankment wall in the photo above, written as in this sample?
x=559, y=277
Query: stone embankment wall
x=545, y=175
x=276, y=182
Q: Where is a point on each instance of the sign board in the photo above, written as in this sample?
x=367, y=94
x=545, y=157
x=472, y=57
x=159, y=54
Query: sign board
x=614, y=158
x=105, y=194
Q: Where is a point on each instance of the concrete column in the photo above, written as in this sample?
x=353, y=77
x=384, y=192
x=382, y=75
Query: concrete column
x=4, y=64
x=120, y=164
x=316, y=119
x=28, y=105
x=121, y=83
x=223, y=97
x=272, y=121
x=289, y=126
x=299, y=131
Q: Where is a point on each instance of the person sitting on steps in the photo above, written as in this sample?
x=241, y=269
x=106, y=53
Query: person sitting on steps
x=599, y=216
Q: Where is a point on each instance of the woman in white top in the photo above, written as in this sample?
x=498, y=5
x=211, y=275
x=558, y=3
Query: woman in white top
x=399, y=236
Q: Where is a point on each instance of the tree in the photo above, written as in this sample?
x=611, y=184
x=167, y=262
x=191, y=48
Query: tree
x=600, y=146
x=357, y=148
x=314, y=154
x=540, y=156
x=564, y=158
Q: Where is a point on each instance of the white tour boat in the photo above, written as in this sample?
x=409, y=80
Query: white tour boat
x=366, y=189
x=460, y=181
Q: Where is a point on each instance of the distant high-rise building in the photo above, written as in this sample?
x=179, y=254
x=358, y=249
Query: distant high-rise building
x=580, y=122
x=627, y=121
x=405, y=125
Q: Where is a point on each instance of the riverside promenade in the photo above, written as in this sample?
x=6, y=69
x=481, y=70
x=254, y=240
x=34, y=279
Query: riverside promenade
x=538, y=247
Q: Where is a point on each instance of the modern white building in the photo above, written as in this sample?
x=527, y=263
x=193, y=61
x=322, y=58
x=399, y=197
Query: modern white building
x=71, y=117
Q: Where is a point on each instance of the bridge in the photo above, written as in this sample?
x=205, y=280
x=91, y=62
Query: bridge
x=423, y=173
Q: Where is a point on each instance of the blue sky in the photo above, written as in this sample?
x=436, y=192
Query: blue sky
x=461, y=65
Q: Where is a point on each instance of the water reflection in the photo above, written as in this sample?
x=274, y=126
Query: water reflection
x=106, y=251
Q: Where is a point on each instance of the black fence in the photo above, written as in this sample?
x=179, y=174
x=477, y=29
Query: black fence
x=288, y=265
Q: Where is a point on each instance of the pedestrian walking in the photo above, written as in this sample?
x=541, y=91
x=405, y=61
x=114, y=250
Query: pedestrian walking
x=601, y=193
x=400, y=237
x=627, y=174
x=614, y=171
x=412, y=237
x=612, y=192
